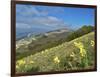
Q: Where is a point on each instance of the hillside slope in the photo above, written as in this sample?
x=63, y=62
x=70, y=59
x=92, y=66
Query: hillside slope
x=33, y=44
x=73, y=55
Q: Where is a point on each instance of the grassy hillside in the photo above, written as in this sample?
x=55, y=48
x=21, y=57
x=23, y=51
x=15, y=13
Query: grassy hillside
x=76, y=54
x=32, y=45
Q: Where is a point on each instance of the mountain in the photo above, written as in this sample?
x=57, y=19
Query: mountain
x=36, y=43
x=22, y=33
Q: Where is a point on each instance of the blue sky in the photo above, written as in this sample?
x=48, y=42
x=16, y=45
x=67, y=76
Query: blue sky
x=51, y=17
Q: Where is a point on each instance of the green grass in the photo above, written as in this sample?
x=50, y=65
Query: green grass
x=44, y=61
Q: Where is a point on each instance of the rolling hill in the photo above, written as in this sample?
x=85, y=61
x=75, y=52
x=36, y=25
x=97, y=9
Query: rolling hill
x=36, y=43
x=73, y=55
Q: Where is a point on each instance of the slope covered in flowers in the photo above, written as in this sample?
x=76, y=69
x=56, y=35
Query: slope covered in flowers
x=73, y=55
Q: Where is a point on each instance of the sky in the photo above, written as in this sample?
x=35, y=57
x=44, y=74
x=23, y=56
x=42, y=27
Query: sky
x=52, y=17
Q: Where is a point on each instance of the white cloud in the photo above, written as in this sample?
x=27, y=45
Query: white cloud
x=23, y=26
x=28, y=16
x=47, y=21
x=29, y=10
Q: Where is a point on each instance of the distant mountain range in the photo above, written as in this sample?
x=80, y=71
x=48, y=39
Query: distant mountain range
x=24, y=32
x=35, y=43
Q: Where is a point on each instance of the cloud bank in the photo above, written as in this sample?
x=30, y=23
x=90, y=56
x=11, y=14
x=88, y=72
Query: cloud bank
x=28, y=16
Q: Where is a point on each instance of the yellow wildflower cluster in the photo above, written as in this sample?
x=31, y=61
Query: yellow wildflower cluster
x=79, y=44
x=81, y=47
x=56, y=60
x=21, y=62
x=17, y=66
x=92, y=43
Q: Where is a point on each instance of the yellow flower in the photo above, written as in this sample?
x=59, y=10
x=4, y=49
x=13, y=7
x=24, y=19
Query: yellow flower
x=82, y=52
x=81, y=47
x=92, y=43
x=17, y=66
x=72, y=54
x=31, y=62
x=21, y=62
x=56, y=60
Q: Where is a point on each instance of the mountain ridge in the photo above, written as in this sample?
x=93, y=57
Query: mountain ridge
x=41, y=41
